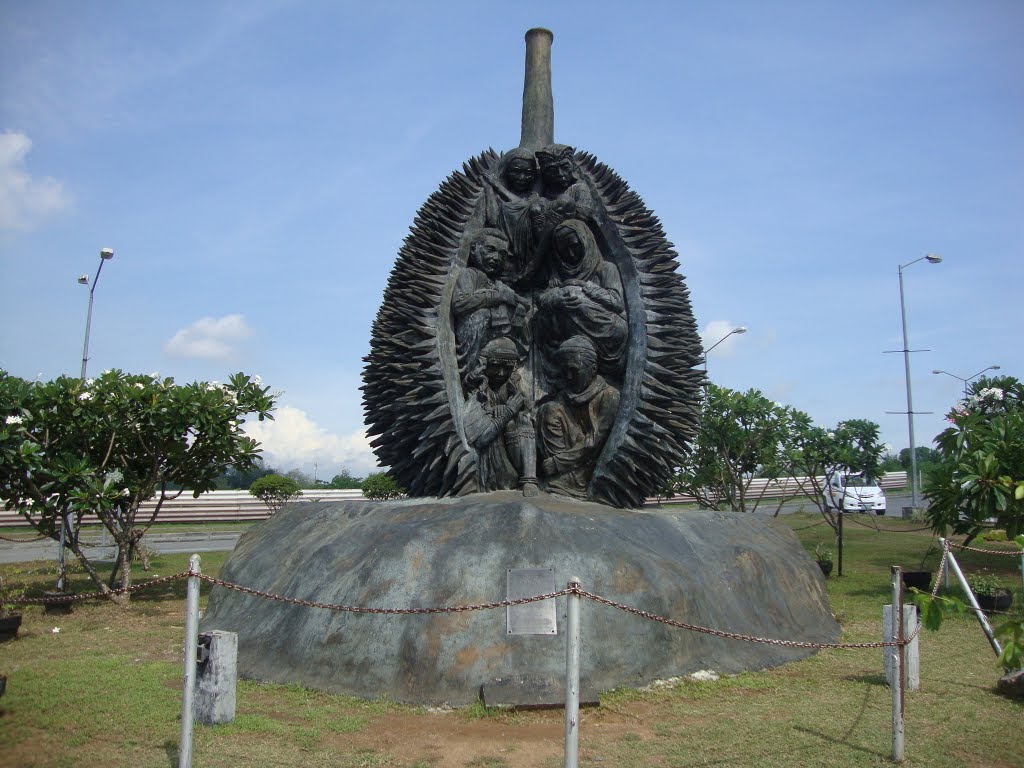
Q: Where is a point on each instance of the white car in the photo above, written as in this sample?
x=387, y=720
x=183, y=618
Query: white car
x=854, y=493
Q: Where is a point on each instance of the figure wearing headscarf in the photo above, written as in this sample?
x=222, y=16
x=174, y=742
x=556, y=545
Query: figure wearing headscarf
x=496, y=417
x=483, y=306
x=584, y=296
x=574, y=425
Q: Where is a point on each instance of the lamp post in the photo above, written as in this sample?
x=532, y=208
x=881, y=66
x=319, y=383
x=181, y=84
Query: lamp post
x=105, y=255
x=931, y=259
x=737, y=330
x=968, y=379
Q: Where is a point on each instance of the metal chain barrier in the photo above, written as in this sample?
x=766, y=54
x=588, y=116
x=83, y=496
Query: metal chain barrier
x=464, y=609
x=941, y=570
x=735, y=635
x=23, y=541
x=965, y=548
x=59, y=599
x=812, y=525
x=855, y=521
x=384, y=611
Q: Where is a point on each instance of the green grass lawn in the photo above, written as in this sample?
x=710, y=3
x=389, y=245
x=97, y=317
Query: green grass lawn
x=106, y=691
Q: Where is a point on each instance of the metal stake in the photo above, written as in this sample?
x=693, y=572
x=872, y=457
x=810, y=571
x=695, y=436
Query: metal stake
x=897, y=659
x=572, y=675
x=839, y=542
x=191, y=644
x=982, y=619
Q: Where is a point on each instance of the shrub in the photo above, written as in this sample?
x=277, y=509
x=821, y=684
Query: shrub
x=984, y=584
x=275, y=490
x=381, y=486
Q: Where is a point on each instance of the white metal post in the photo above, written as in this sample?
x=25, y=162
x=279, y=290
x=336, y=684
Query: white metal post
x=897, y=659
x=191, y=643
x=980, y=614
x=572, y=676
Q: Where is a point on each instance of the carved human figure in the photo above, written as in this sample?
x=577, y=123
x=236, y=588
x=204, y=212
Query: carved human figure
x=566, y=194
x=510, y=199
x=497, y=417
x=483, y=306
x=584, y=296
x=574, y=425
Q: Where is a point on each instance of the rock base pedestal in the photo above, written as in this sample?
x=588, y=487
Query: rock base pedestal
x=714, y=569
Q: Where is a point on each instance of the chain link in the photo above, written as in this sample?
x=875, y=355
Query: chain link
x=735, y=635
x=384, y=611
x=59, y=599
x=812, y=525
x=942, y=568
x=23, y=541
x=855, y=521
x=570, y=590
x=965, y=548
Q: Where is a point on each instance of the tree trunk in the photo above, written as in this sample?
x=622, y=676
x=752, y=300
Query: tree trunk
x=96, y=579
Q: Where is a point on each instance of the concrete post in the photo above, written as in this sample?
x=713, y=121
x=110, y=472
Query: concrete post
x=217, y=677
x=912, y=667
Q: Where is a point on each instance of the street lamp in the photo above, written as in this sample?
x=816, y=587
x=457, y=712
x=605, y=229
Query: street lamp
x=105, y=255
x=737, y=330
x=931, y=258
x=968, y=379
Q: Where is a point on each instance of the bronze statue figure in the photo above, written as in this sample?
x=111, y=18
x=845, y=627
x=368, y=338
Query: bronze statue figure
x=574, y=425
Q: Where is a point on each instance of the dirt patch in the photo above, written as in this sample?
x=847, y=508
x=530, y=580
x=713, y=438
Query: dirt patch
x=533, y=739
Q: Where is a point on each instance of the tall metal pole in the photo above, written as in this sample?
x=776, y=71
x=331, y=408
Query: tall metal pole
x=572, y=676
x=105, y=255
x=191, y=646
x=898, y=661
x=910, y=398
x=932, y=259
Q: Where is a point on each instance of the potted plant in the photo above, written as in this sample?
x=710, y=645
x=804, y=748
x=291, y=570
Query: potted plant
x=990, y=594
x=824, y=558
x=10, y=611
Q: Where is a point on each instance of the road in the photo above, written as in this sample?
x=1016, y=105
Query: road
x=189, y=542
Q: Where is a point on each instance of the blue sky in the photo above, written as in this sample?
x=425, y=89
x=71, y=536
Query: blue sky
x=255, y=167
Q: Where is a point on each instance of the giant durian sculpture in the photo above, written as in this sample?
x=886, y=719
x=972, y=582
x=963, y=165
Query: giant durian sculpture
x=535, y=332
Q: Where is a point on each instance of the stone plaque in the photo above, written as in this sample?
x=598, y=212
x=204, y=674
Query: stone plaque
x=532, y=618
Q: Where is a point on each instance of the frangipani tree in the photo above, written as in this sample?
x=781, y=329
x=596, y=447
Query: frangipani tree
x=742, y=434
x=980, y=474
x=105, y=445
x=815, y=455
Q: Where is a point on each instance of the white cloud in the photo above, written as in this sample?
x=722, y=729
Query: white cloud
x=292, y=440
x=718, y=334
x=210, y=338
x=25, y=201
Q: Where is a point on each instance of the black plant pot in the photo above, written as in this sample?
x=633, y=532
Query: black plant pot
x=1000, y=600
x=9, y=624
x=826, y=566
x=917, y=579
x=57, y=608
